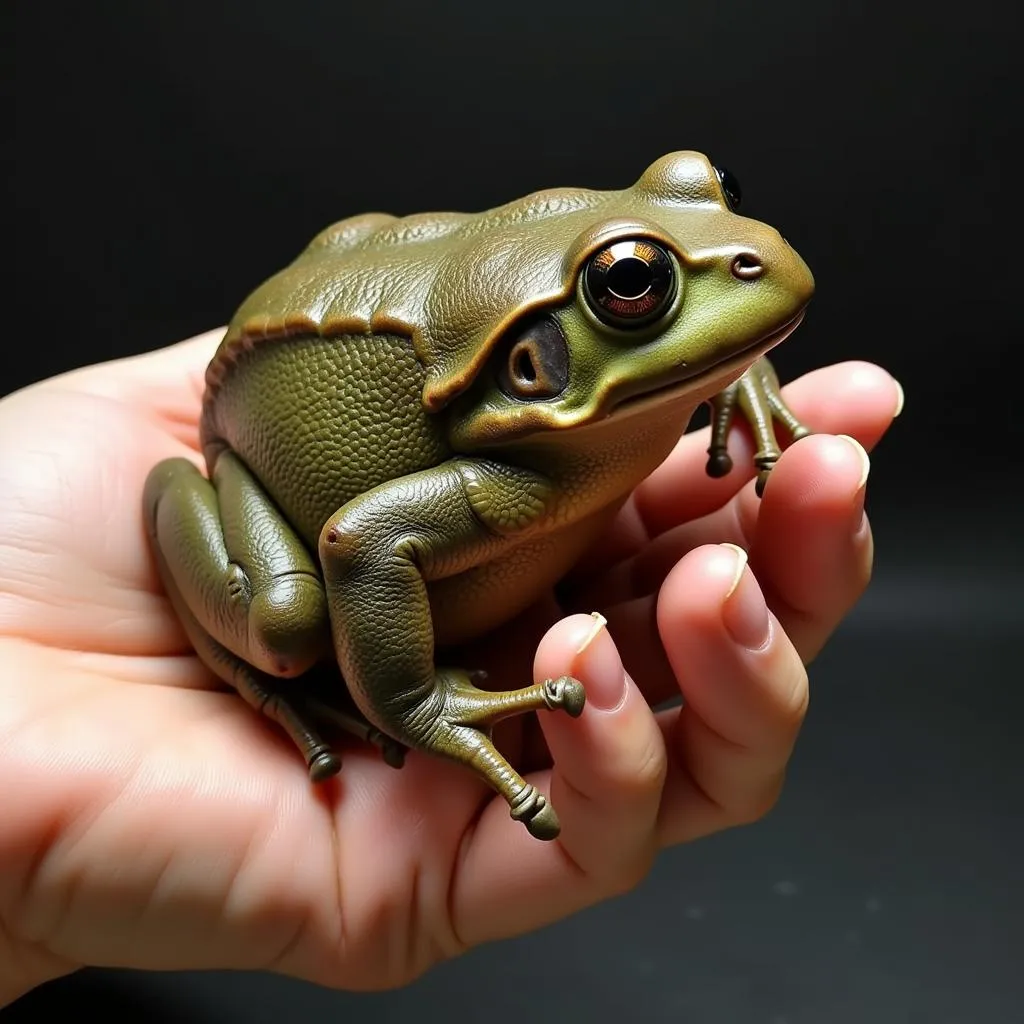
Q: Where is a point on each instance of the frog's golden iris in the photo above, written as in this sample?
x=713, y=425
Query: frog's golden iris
x=630, y=282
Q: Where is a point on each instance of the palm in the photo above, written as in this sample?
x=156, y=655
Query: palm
x=118, y=695
x=189, y=806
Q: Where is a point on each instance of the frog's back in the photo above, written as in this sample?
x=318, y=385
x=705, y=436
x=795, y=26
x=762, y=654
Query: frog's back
x=332, y=373
x=444, y=280
x=454, y=282
x=319, y=383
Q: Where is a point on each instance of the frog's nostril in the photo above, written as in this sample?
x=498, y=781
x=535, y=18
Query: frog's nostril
x=746, y=267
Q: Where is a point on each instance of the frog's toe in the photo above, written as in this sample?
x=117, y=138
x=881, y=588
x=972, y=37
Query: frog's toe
x=565, y=694
x=325, y=765
x=533, y=810
x=544, y=824
x=393, y=753
x=719, y=464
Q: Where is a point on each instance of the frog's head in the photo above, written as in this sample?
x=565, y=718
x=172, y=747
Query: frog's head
x=658, y=290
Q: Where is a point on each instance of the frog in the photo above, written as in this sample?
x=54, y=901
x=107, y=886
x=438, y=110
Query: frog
x=417, y=427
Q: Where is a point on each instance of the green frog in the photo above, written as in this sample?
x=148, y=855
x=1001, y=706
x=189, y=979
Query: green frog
x=415, y=429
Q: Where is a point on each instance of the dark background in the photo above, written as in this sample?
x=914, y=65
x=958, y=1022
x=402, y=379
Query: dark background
x=170, y=156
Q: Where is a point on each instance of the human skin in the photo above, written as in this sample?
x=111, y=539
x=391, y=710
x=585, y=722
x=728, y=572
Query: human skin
x=152, y=820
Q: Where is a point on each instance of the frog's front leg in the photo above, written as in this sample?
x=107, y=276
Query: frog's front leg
x=248, y=595
x=378, y=554
x=758, y=395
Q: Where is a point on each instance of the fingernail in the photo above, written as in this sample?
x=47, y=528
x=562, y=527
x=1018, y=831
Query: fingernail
x=744, y=612
x=600, y=668
x=899, y=398
x=858, y=519
x=865, y=462
x=599, y=622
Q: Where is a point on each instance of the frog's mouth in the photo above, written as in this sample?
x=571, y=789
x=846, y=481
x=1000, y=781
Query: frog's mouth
x=673, y=395
x=701, y=382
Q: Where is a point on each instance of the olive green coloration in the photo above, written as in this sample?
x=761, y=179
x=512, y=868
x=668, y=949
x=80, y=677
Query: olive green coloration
x=414, y=430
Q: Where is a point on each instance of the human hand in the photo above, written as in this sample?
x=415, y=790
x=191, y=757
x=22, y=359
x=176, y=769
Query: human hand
x=153, y=820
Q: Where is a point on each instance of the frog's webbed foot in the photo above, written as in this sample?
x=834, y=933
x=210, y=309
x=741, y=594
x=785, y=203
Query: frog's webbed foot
x=757, y=394
x=461, y=732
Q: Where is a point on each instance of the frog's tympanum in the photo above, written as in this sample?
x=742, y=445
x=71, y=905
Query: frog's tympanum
x=414, y=430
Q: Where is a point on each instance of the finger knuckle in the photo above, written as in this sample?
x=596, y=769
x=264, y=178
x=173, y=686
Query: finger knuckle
x=629, y=875
x=651, y=767
x=757, y=805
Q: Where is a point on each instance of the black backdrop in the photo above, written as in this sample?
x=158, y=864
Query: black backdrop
x=169, y=156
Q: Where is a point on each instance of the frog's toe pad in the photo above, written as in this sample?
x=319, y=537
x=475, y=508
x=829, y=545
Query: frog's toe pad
x=533, y=810
x=324, y=766
x=565, y=694
x=544, y=824
x=719, y=464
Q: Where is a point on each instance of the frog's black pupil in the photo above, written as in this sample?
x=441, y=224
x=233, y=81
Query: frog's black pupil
x=629, y=278
x=524, y=367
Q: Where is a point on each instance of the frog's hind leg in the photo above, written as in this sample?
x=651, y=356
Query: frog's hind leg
x=379, y=554
x=246, y=591
x=758, y=396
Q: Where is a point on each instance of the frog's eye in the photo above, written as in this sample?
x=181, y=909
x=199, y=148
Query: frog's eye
x=731, y=187
x=537, y=363
x=630, y=283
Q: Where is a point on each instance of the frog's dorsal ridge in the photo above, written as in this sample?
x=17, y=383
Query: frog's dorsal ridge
x=348, y=233
x=451, y=282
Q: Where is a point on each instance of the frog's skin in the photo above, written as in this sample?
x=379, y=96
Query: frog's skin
x=414, y=430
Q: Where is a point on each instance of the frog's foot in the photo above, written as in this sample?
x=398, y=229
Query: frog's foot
x=475, y=749
x=353, y=722
x=272, y=698
x=460, y=731
x=758, y=395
